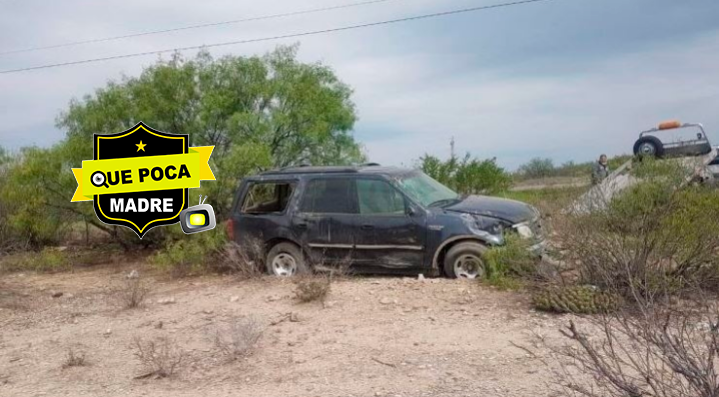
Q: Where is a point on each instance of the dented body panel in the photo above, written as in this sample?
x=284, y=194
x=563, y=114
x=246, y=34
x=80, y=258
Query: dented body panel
x=409, y=240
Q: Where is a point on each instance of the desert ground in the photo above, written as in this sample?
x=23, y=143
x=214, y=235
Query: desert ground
x=373, y=336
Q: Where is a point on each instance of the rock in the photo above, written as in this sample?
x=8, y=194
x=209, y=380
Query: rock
x=385, y=301
x=159, y=325
x=273, y=298
x=133, y=274
x=166, y=301
x=56, y=294
x=69, y=296
x=208, y=311
x=107, y=332
x=234, y=298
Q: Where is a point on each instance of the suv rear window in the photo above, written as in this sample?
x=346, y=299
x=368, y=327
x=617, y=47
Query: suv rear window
x=328, y=196
x=267, y=197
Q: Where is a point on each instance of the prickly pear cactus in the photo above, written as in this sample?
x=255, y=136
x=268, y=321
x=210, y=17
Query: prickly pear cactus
x=583, y=299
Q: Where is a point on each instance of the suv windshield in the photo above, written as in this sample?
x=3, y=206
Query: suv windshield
x=426, y=190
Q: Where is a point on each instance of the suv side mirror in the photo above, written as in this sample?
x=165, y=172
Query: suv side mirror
x=411, y=211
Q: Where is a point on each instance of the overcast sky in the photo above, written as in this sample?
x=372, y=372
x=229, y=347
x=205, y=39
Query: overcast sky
x=565, y=79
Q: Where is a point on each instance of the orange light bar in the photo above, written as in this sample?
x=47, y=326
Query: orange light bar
x=671, y=124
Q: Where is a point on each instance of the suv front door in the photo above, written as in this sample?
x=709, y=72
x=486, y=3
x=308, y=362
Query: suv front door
x=387, y=234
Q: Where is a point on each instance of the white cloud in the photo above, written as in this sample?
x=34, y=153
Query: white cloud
x=577, y=116
x=416, y=84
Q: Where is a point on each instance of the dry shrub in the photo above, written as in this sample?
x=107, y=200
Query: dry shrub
x=658, y=351
x=239, y=338
x=161, y=358
x=74, y=359
x=242, y=260
x=335, y=268
x=312, y=288
x=133, y=292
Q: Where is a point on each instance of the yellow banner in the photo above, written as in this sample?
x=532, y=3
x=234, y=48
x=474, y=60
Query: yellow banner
x=141, y=174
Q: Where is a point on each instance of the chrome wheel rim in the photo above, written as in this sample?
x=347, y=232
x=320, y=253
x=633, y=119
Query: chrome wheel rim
x=647, y=148
x=284, y=265
x=468, y=266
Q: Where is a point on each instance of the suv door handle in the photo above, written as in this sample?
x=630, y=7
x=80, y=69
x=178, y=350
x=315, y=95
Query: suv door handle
x=367, y=227
x=302, y=225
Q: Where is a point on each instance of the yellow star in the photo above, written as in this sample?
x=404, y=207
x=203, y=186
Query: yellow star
x=141, y=146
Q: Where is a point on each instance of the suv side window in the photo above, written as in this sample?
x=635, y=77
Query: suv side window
x=267, y=197
x=328, y=196
x=376, y=197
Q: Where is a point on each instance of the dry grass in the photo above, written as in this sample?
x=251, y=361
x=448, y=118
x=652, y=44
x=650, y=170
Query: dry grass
x=133, y=292
x=239, y=338
x=74, y=359
x=161, y=358
x=310, y=289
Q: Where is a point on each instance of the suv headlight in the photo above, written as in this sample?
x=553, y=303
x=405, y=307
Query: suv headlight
x=484, y=227
x=524, y=231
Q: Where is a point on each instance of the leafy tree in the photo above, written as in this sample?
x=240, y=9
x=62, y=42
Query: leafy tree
x=467, y=175
x=537, y=168
x=259, y=112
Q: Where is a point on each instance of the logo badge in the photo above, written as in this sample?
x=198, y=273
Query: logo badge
x=139, y=178
x=199, y=218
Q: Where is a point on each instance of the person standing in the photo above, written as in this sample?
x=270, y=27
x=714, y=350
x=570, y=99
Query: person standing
x=600, y=170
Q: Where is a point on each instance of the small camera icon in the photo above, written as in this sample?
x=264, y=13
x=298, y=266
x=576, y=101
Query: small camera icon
x=199, y=218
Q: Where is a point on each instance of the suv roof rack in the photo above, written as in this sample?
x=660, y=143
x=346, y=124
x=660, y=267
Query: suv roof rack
x=312, y=170
x=371, y=165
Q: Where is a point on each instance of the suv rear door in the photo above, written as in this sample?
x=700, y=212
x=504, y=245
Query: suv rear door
x=324, y=222
x=260, y=215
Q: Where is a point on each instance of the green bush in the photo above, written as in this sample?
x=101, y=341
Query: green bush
x=468, y=175
x=657, y=237
x=510, y=263
x=577, y=299
x=184, y=255
x=49, y=260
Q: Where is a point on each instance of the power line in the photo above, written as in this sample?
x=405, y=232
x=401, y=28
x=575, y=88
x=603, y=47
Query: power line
x=310, y=33
x=189, y=27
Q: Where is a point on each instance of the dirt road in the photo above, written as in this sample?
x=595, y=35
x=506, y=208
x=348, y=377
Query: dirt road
x=372, y=337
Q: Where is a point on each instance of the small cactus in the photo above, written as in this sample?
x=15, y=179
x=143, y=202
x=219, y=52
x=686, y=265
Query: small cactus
x=582, y=299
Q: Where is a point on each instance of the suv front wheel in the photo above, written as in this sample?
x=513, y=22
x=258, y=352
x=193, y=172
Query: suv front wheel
x=465, y=260
x=285, y=260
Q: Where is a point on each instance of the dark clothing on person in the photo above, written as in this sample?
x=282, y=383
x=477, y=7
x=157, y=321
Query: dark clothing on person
x=599, y=172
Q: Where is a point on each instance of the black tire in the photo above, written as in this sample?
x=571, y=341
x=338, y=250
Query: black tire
x=471, y=251
x=286, y=254
x=648, y=142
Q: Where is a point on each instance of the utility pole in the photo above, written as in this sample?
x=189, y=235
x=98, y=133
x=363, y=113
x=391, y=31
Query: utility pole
x=451, y=148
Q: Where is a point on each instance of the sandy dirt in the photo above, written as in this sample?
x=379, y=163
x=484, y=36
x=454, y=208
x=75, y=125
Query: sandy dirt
x=372, y=337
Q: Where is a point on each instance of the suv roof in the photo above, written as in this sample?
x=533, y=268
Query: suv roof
x=373, y=168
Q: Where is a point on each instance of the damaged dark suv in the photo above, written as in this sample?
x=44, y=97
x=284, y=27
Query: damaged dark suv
x=374, y=219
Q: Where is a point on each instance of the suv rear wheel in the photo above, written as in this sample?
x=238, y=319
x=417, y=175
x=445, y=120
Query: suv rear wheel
x=465, y=260
x=285, y=260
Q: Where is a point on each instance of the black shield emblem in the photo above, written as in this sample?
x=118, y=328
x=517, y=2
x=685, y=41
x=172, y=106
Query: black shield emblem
x=140, y=141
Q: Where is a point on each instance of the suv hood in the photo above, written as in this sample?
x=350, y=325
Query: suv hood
x=508, y=210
